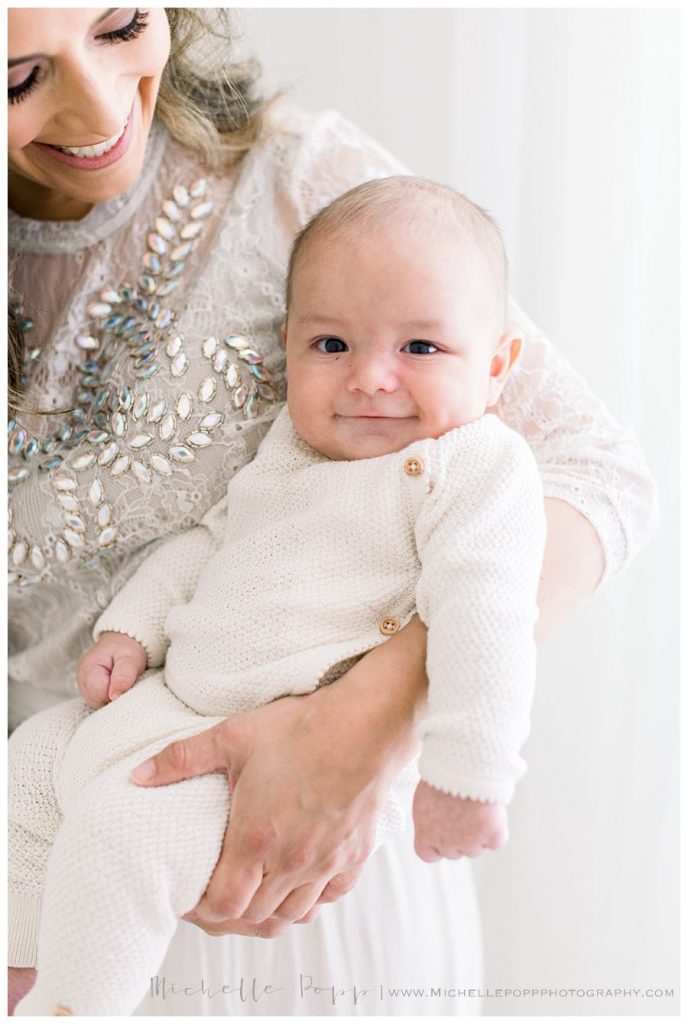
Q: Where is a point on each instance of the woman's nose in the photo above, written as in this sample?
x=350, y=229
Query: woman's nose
x=93, y=103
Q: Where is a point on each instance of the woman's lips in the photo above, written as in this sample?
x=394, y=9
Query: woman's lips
x=93, y=163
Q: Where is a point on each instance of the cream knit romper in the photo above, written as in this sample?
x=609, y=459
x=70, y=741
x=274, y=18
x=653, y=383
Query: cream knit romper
x=305, y=565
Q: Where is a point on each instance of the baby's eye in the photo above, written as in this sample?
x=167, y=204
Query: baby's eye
x=420, y=348
x=331, y=345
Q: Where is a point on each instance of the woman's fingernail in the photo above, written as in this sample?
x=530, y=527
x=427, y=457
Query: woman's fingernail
x=144, y=772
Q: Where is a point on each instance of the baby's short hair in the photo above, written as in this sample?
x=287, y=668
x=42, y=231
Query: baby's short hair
x=416, y=201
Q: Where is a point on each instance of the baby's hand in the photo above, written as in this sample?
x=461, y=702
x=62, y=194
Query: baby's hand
x=449, y=826
x=110, y=668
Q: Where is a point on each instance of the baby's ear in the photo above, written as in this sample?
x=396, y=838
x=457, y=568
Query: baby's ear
x=283, y=333
x=505, y=356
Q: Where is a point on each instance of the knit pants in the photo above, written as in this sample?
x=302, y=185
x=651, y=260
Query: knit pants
x=100, y=868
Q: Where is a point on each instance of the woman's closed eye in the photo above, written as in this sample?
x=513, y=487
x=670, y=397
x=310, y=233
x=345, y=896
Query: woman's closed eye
x=133, y=28
x=15, y=93
x=331, y=345
x=420, y=348
x=129, y=31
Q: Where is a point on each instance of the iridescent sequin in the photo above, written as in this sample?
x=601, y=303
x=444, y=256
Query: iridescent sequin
x=131, y=330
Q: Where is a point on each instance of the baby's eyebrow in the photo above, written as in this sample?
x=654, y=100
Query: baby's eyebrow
x=421, y=325
x=308, y=319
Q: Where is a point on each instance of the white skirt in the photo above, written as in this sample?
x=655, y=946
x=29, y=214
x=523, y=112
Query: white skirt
x=406, y=940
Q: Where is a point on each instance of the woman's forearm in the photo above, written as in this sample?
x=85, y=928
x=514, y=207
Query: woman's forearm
x=572, y=566
x=381, y=699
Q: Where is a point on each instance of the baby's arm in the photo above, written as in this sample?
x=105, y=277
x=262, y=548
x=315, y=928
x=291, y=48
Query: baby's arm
x=480, y=537
x=130, y=634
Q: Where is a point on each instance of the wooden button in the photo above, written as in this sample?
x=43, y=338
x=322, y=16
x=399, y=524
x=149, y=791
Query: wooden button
x=62, y=1011
x=389, y=626
x=413, y=467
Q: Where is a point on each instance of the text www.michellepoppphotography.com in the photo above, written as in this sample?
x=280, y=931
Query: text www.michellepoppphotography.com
x=306, y=987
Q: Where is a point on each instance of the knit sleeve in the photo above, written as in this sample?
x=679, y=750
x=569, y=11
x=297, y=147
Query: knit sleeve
x=480, y=539
x=167, y=578
x=584, y=455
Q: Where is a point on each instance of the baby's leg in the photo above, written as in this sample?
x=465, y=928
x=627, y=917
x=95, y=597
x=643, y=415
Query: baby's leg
x=35, y=752
x=127, y=863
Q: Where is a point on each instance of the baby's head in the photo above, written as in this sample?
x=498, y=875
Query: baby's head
x=396, y=318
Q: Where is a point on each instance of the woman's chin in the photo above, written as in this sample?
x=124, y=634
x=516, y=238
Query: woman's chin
x=69, y=195
x=45, y=188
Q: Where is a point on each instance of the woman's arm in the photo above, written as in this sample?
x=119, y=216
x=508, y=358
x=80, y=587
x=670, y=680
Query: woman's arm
x=587, y=461
x=308, y=774
x=572, y=566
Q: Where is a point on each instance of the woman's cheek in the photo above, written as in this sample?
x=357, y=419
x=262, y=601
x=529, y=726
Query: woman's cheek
x=23, y=126
x=156, y=40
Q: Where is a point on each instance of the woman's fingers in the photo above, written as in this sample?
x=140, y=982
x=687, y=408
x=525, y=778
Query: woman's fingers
x=310, y=916
x=287, y=829
x=299, y=904
x=340, y=885
x=237, y=876
x=270, y=929
x=209, y=751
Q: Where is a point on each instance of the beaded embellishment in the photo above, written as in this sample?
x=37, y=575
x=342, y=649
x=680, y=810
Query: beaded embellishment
x=111, y=428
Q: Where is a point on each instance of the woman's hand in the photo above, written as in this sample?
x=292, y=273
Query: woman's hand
x=307, y=775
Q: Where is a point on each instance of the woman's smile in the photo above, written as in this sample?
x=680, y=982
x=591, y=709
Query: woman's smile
x=92, y=158
x=82, y=92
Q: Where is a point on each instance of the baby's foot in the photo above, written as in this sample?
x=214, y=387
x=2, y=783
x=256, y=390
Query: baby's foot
x=20, y=980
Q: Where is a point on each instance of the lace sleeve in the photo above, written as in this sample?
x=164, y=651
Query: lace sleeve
x=585, y=457
x=333, y=156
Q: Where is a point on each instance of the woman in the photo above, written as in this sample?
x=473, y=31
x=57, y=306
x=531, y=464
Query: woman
x=151, y=217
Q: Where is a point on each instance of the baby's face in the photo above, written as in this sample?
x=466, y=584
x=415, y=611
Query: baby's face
x=386, y=342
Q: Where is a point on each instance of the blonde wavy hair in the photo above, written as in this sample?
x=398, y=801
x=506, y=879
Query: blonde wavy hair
x=215, y=111
x=207, y=101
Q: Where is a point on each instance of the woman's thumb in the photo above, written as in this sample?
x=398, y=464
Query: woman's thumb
x=185, y=759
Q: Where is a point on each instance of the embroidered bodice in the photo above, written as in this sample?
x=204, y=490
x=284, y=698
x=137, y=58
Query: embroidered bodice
x=155, y=321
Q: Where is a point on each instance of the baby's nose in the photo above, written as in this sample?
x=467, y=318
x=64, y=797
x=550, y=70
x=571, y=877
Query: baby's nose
x=373, y=373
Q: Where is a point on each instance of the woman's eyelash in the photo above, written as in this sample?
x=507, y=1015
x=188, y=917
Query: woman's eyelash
x=130, y=31
x=134, y=28
x=15, y=93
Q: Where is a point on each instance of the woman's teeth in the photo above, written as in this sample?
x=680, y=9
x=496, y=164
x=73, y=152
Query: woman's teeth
x=98, y=150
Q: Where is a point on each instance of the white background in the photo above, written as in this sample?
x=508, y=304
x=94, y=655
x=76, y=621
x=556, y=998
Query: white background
x=564, y=124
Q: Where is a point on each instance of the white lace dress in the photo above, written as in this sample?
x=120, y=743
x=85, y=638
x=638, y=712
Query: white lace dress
x=154, y=320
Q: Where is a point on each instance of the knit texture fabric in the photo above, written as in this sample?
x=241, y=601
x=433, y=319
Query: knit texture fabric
x=293, y=574
x=301, y=568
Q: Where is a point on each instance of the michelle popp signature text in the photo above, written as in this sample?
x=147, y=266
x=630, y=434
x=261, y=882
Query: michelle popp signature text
x=250, y=990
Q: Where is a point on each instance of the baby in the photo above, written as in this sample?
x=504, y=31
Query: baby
x=384, y=488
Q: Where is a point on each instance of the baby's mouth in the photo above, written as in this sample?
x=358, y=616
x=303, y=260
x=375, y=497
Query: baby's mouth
x=90, y=151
